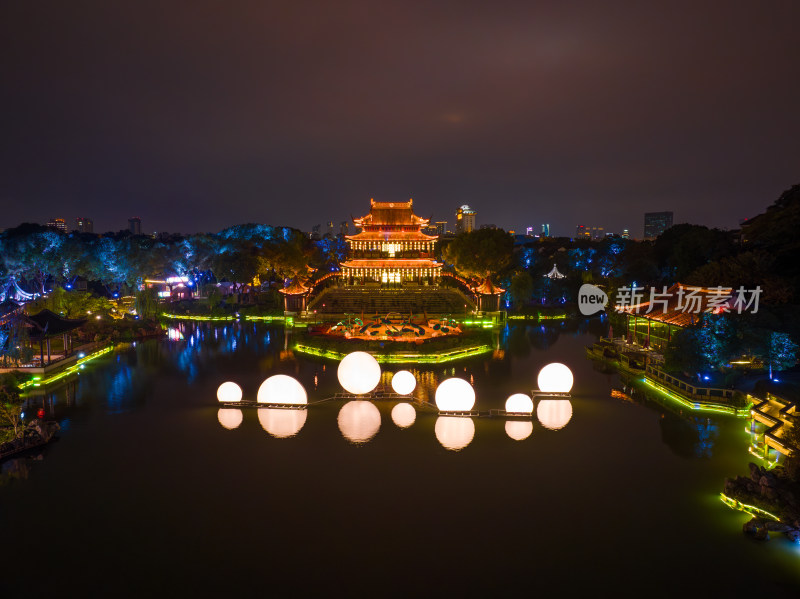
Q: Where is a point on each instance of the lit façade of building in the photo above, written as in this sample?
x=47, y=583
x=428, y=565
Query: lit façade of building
x=391, y=247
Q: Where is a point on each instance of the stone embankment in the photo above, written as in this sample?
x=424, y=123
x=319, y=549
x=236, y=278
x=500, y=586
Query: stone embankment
x=36, y=434
x=772, y=501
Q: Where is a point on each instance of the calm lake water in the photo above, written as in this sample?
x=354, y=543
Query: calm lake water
x=146, y=493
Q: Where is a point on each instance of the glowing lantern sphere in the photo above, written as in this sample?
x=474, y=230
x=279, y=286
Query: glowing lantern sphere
x=519, y=429
x=230, y=418
x=403, y=382
x=359, y=421
x=282, y=423
x=554, y=413
x=229, y=392
x=519, y=403
x=455, y=395
x=454, y=432
x=555, y=378
x=282, y=389
x=359, y=373
x=404, y=415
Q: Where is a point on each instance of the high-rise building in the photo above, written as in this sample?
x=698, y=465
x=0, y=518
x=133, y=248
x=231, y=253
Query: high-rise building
x=329, y=232
x=315, y=231
x=529, y=231
x=598, y=232
x=625, y=234
x=655, y=223
x=546, y=230
x=58, y=223
x=84, y=225
x=441, y=227
x=465, y=219
x=583, y=232
x=135, y=225
x=343, y=227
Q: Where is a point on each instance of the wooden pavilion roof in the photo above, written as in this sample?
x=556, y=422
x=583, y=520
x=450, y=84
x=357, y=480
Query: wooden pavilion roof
x=391, y=214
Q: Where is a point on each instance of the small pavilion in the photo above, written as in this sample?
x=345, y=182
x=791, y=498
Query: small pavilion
x=295, y=296
x=488, y=295
x=46, y=326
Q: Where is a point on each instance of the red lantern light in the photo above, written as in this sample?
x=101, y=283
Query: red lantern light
x=40, y=413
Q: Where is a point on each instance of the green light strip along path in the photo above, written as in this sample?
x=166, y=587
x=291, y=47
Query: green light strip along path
x=402, y=358
x=38, y=381
x=743, y=507
x=699, y=407
x=199, y=318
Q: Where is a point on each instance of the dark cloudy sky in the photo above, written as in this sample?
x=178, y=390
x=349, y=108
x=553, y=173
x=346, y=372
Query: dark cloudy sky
x=197, y=115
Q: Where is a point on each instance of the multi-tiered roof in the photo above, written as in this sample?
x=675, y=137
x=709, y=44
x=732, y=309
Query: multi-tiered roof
x=391, y=246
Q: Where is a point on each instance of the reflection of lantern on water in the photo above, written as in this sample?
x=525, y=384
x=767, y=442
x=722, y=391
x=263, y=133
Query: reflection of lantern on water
x=403, y=382
x=519, y=429
x=230, y=418
x=359, y=373
x=174, y=334
x=359, y=421
x=519, y=403
x=454, y=432
x=555, y=378
x=282, y=389
x=455, y=395
x=404, y=415
x=554, y=413
x=229, y=392
x=282, y=423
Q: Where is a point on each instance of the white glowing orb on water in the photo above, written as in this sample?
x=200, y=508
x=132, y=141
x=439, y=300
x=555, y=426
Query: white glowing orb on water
x=359, y=421
x=282, y=423
x=455, y=395
x=229, y=392
x=555, y=378
x=404, y=415
x=230, y=418
x=403, y=382
x=454, y=432
x=519, y=403
x=519, y=429
x=359, y=373
x=282, y=389
x=554, y=413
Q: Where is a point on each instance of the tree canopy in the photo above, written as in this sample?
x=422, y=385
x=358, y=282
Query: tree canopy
x=480, y=253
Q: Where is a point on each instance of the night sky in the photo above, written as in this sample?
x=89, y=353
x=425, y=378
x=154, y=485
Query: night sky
x=199, y=115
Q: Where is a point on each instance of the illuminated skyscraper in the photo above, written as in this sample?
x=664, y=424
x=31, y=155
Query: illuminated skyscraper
x=546, y=230
x=58, y=223
x=465, y=219
x=135, y=225
x=84, y=225
x=441, y=227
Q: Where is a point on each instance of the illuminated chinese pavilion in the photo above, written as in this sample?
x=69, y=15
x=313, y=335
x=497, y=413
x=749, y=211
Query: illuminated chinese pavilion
x=391, y=248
